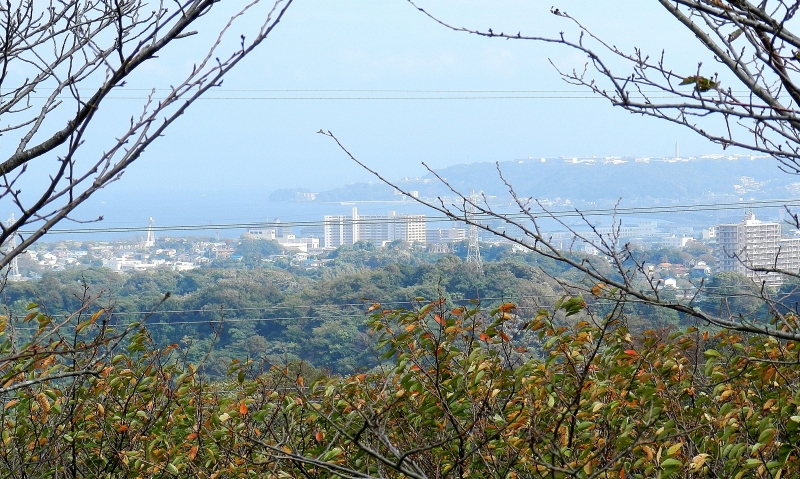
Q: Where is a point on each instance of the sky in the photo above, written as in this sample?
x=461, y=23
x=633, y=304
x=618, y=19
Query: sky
x=242, y=143
x=389, y=45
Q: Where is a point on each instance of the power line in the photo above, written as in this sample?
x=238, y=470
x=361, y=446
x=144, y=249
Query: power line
x=386, y=98
x=398, y=94
x=382, y=90
x=342, y=307
x=355, y=94
x=329, y=317
x=372, y=90
x=537, y=213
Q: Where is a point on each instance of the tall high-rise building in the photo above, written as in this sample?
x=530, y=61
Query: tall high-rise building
x=741, y=247
x=409, y=228
x=340, y=229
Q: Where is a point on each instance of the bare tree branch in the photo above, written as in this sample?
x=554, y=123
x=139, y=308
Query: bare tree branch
x=79, y=51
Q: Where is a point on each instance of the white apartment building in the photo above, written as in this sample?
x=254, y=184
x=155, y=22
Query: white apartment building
x=340, y=229
x=756, y=244
x=409, y=228
x=343, y=229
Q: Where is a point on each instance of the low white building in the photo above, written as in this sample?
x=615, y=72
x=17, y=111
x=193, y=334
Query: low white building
x=260, y=234
x=288, y=241
x=298, y=244
x=675, y=241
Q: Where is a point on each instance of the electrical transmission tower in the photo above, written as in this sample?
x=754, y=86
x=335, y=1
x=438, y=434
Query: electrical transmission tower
x=13, y=273
x=474, y=250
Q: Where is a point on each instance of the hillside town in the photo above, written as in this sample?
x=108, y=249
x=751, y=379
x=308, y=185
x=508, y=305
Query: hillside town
x=740, y=247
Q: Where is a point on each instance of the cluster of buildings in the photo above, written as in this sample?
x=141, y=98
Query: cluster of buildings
x=749, y=247
x=338, y=230
x=741, y=247
x=58, y=259
x=122, y=255
x=752, y=247
x=118, y=256
x=122, y=258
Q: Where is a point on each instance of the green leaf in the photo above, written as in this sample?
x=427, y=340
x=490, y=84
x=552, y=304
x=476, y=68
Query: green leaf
x=670, y=466
x=573, y=305
x=751, y=463
x=766, y=435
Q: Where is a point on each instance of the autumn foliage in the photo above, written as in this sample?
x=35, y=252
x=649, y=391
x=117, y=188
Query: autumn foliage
x=463, y=393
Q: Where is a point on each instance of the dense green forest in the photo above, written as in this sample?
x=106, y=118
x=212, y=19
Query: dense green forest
x=282, y=313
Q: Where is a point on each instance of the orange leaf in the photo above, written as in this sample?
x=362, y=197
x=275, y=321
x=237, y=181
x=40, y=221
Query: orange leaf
x=300, y=382
x=504, y=336
x=193, y=452
x=415, y=368
x=122, y=428
x=374, y=307
x=242, y=409
x=483, y=337
x=438, y=319
x=319, y=436
x=411, y=327
x=506, y=307
x=631, y=352
x=191, y=436
x=597, y=289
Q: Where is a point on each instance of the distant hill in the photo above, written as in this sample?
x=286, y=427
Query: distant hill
x=599, y=181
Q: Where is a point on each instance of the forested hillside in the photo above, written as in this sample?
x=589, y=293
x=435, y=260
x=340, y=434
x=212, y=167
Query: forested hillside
x=285, y=314
x=278, y=314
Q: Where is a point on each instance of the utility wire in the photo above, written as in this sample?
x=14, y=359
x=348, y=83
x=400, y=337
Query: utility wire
x=329, y=317
x=537, y=213
x=399, y=94
x=384, y=98
x=367, y=90
x=326, y=308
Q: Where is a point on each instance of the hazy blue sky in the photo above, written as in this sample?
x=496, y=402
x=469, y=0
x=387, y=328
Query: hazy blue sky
x=253, y=145
x=388, y=45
